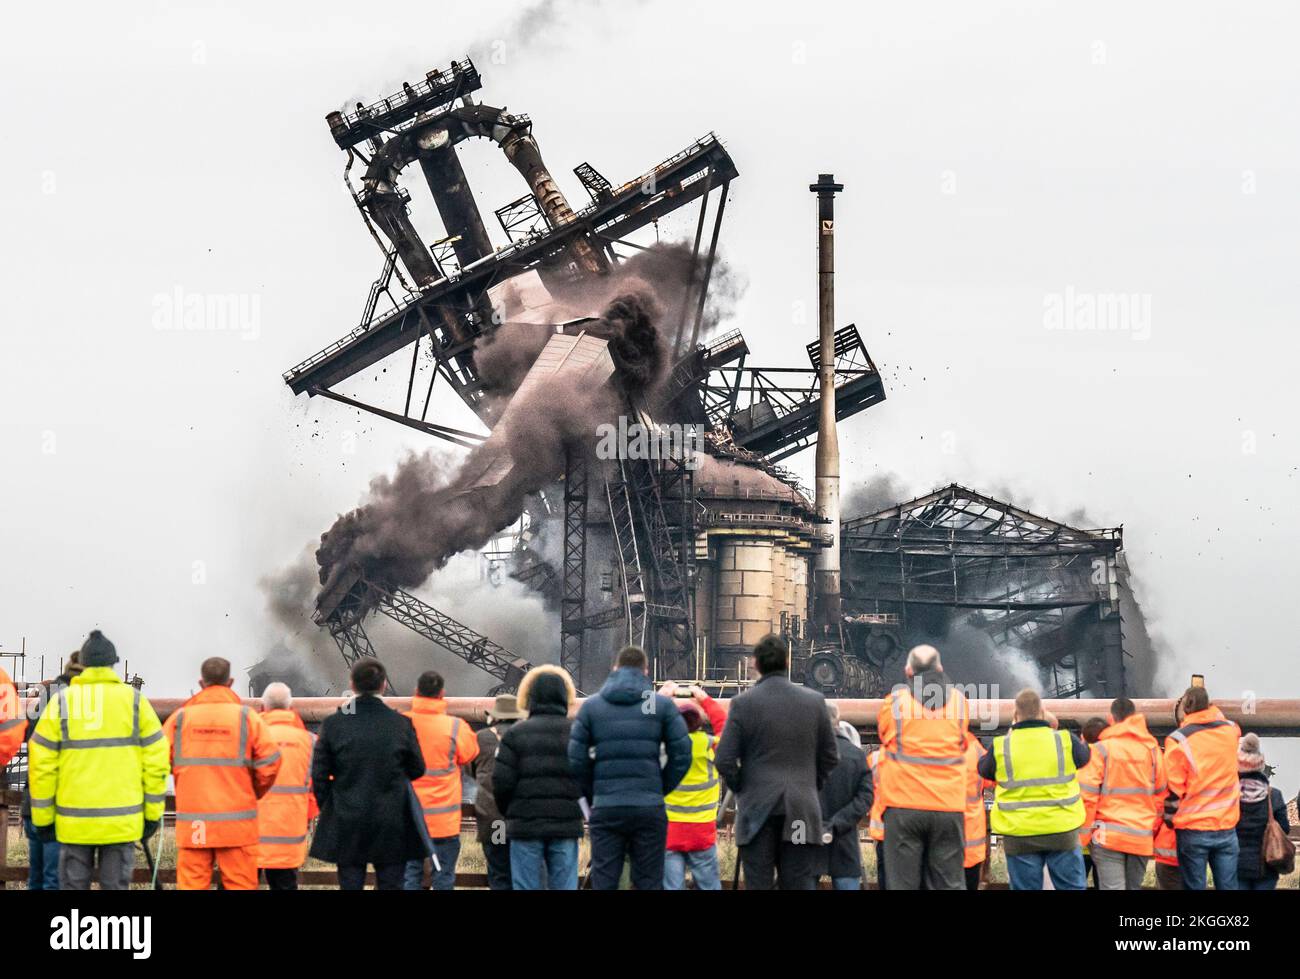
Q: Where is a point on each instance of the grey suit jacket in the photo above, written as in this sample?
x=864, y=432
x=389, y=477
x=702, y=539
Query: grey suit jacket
x=776, y=750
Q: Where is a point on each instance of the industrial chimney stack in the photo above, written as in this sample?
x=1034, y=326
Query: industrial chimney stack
x=826, y=607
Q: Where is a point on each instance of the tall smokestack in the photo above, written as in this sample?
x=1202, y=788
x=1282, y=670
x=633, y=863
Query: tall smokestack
x=826, y=607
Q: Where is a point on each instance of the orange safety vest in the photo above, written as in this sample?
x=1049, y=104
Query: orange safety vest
x=284, y=813
x=925, y=751
x=876, y=825
x=447, y=743
x=1201, y=768
x=1165, y=845
x=1089, y=777
x=1125, y=801
x=223, y=759
x=13, y=721
x=977, y=817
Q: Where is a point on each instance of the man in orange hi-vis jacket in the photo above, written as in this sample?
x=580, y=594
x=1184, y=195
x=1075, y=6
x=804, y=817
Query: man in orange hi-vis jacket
x=923, y=727
x=13, y=722
x=1204, y=798
x=447, y=743
x=285, y=813
x=224, y=759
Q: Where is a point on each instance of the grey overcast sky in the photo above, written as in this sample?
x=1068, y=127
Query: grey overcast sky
x=1004, y=165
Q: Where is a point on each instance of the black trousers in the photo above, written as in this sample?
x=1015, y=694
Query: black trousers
x=639, y=833
x=925, y=846
x=880, y=864
x=388, y=876
x=280, y=879
x=768, y=854
x=973, y=877
x=497, y=857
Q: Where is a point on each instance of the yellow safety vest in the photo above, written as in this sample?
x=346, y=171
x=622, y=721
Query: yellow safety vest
x=695, y=800
x=1037, y=792
x=98, y=762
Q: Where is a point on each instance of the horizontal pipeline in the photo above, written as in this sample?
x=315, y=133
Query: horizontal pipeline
x=1268, y=718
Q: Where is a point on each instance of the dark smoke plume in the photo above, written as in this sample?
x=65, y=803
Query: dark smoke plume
x=416, y=519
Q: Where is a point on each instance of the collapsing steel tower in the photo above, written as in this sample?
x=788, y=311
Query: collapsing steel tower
x=639, y=536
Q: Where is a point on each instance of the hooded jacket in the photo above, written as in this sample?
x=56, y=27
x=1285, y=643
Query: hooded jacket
x=614, y=749
x=98, y=762
x=531, y=779
x=1124, y=789
x=1256, y=797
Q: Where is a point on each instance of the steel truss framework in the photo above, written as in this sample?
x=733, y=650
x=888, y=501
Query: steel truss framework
x=346, y=624
x=769, y=412
x=1023, y=579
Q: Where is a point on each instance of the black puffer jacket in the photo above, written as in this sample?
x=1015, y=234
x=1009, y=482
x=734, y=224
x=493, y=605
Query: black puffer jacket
x=532, y=781
x=1255, y=796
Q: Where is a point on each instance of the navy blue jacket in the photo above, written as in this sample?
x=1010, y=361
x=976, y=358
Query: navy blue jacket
x=614, y=747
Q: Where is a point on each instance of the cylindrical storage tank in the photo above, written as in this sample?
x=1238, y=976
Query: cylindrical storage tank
x=705, y=602
x=799, y=584
x=743, y=607
x=780, y=585
x=753, y=604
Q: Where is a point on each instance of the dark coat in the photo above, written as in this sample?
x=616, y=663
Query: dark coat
x=532, y=781
x=776, y=752
x=615, y=746
x=486, y=812
x=1254, y=818
x=362, y=767
x=846, y=798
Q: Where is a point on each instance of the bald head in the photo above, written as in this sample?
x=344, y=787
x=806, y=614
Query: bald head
x=277, y=696
x=923, y=659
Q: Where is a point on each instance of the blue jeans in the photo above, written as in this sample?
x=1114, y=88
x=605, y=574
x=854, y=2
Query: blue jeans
x=557, y=860
x=1257, y=884
x=703, y=865
x=447, y=852
x=1064, y=866
x=42, y=859
x=1216, y=848
x=846, y=883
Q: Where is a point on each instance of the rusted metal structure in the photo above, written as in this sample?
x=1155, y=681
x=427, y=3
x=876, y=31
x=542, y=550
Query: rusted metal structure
x=1034, y=587
x=638, y=539
x=1272, y=718
x=827, y=603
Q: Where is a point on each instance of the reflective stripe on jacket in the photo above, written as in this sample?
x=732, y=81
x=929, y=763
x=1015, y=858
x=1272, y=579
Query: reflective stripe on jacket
x=1124, y=802
x=924, y=748
x=1201, y=769
x=876, y=821
x=976, y=820
x=13, y=723
x=97, y=762
x=224, y=760
x=695, y=800
x=1165, y=846
x=447, y=743
x=1037, y=793
x=284, y=813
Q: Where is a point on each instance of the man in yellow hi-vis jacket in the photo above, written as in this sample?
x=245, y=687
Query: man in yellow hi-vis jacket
x=98, y=772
